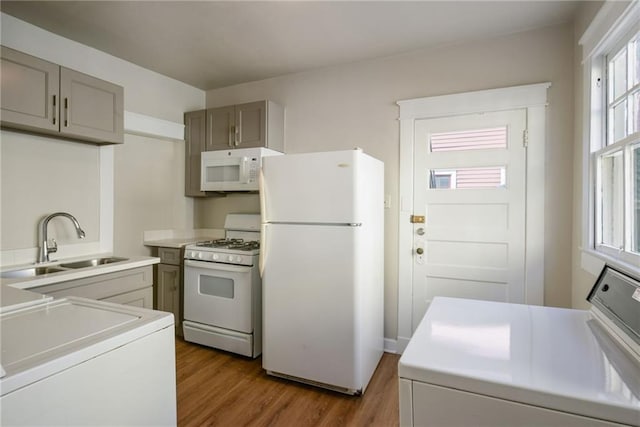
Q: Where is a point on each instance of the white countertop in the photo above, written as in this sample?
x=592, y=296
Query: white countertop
x=72, y=274
x=177, y=242
x=544, y=356
x=179, y=238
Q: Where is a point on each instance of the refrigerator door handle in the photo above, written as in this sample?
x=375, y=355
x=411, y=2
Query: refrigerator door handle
x=263, y=234
x=263, y=249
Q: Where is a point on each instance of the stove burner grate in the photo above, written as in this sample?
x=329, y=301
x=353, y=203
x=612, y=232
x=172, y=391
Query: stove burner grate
x=238, y=244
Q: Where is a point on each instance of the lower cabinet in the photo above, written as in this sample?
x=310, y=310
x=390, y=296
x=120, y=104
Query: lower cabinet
x=140, y=298
x=169, y=284
x=130, y=287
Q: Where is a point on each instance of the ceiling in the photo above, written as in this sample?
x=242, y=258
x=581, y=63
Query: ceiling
x=211, y=44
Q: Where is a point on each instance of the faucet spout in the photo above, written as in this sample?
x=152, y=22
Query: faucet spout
x=45, y=248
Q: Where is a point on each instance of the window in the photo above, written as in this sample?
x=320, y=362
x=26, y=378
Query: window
x=467, y=140
x=614, y=155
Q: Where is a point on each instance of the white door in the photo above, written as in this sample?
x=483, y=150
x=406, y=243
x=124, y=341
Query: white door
x=469, y=184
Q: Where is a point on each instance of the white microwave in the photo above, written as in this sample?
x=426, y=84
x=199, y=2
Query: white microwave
x=232, y=170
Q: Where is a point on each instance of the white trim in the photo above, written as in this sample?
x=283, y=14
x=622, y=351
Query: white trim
x=106, y=198
x=502, y=99
x=390, y=346
x=610, y=23
x=139, y=124
x=531, y=97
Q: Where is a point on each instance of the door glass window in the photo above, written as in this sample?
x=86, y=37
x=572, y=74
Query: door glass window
x=216, y=286
x=480, y=139
x=468, y=178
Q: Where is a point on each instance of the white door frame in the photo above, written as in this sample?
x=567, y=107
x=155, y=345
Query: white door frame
x=533, y=98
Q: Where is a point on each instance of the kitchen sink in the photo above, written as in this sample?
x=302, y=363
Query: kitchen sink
x=93, y=262
x=31, y=272
x=49, y=269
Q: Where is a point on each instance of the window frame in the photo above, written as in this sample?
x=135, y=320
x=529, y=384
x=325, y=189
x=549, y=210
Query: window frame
x=614, y=26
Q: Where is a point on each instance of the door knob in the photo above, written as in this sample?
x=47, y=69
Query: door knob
x=420, y=231
x=419, y=251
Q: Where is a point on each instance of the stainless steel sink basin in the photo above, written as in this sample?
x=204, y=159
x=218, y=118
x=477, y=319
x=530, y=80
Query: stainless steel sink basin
x=31, y=272
x=93, y=262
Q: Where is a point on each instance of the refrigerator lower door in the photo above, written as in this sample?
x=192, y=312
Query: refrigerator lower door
x=310, y=303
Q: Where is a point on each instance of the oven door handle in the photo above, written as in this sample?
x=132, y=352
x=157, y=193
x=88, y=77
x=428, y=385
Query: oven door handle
x=217, y=266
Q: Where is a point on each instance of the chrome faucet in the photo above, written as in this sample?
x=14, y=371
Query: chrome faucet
x=45, y=248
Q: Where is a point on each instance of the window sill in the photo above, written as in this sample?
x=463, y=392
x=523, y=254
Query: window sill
x=593, y=261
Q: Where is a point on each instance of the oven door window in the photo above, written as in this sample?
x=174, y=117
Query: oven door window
x=217, y=286
x=219, y=295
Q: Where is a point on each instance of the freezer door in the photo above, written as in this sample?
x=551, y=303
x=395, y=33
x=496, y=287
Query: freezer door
x=310, y=303
x=311, y=187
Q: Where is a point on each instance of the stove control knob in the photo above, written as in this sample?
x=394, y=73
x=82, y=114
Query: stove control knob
x=200, y=255
x=230, y=258
x=215, y=257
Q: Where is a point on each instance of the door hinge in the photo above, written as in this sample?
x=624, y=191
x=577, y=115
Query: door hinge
x=525, y=138
x=417, y=219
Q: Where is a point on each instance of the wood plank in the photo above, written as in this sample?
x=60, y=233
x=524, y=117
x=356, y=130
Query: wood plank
x=224, y=389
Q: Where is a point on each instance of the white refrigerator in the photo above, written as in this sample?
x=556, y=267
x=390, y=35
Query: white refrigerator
x=322, y=267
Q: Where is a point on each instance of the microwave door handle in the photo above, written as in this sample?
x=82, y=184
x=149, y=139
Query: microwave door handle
x=244, y=170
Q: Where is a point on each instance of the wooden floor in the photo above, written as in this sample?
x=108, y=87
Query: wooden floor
x=216, y=388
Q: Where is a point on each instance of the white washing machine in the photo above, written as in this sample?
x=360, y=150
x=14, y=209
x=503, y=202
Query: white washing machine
x=480, y=363
x=77, y=361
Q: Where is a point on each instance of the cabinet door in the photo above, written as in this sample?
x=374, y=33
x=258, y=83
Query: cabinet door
x=220, y=128
x=140, y=298
x=250, y=125
x=30, y=95
x=169, y=290
x=195, y=138
x=91, y=109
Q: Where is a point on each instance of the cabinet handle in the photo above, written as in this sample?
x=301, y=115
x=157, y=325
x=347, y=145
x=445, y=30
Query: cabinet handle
x=66, y=112
x=235, y=135
x=232, y=133
x=54, y=109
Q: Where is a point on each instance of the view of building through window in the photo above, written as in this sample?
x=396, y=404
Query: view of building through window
x=476, y=139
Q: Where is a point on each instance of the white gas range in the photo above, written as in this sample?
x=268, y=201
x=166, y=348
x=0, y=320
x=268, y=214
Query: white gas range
x=223, y=290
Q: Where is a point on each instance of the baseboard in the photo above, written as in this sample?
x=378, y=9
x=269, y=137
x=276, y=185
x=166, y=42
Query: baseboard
x=390, y=346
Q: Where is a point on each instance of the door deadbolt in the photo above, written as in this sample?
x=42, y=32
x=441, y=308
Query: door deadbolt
x=420, y=231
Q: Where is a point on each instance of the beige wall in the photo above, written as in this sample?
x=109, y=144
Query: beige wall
x=41, y=175
x=581, y=280
x=354, y=105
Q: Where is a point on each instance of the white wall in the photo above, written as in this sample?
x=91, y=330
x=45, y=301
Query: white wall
x=354, y=105
x=147, y=175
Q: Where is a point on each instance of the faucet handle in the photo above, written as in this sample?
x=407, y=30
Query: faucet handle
x=53, y=246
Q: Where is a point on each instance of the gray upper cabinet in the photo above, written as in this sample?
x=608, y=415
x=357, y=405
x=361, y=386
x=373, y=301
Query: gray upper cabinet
x=195, y=138
x=220, y=128
x=30, y=91
x=92, y=109
x=40, y=96
x=254, y=124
